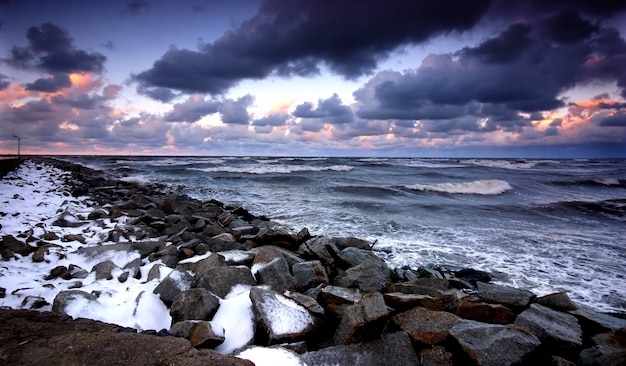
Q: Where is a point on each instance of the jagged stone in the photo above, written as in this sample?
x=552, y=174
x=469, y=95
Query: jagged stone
x=169, y=255
x=436, y=356
x=494, y=344
x=73, y=237
x=472, y=275
x=220, y=280
x=422, y=286
x=278, y=318
x=336, y=299
x=310, y=274
x=154, y=273
x=145, y=248
x=206, y=334
x=278, y=236
x=276, y=275
x=402, y=302
x=104, y=270
x=194, y=304
x=352, y=242
x=66, y=219
x=594, y=322
x=64, y=298
x=513, y=298
x=77, y=272
x=367, y=277
x=559, y=332
x=394, y=349
x=484, y=312
x=425, y=326
x=12, y=245
x=308, y=302
x=134, y=268
x=557, y=301
x=58, y=271
x=321, y=248
x=609, y=350
x=100, y=250
x=363, y=321
x=172, y=285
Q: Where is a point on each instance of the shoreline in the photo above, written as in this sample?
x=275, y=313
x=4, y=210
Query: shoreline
x=346, y=297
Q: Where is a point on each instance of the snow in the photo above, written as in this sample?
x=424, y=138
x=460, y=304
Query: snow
x=285, y=315
x=32, y=198
x=262, y=356
x=236, y=317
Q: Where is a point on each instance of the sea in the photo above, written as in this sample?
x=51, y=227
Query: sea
x=543, y=225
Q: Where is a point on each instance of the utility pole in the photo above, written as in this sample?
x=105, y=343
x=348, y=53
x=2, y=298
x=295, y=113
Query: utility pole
x=19, y=140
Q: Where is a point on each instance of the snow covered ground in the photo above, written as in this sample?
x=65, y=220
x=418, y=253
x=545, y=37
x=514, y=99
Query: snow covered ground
x=32, y=198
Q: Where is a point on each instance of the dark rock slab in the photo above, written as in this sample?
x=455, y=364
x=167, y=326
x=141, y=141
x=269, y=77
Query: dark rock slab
x=336, y=299
x=513, y=298
x=557, y=301
x=194, y=304
x=99, y=250
x=352, y=256
x=402, y=302
x=609, y=350
x=278, y=318
x=206, y=334
x=394, y=349
x=321, y=248
x=64, y=298
x=494, y=344
x=220, y=280
x=367, y=277
x=437, y=356
x=352, y=242
x=10, y=245
x=363, y=321
x=277, y=236
x=104, y=270
x=425, y=326
x=276, y=275
x=594, y=322
x=310, y=274
x=484, y=312
x=172, y=285
x=559, y=332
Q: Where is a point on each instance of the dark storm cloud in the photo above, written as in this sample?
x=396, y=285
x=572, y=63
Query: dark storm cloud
x=51, y=49
x=82, y=101
x=192, y=110
x=50, y=84
x=296, y=37
x=4, y=82
x=272, y=120
x=236, y=111
x=523, y=69
x=332, y=110
x=161, y=94
x=616, y=120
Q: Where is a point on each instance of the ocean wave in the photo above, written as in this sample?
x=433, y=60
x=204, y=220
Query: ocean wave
x=273, y=169
x=600, y=181
x=503, y=164
x=486, y=187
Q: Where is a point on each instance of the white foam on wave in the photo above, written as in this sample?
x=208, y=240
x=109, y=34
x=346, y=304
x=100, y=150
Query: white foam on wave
x=503, y=164
x=486, y=187
x=273, y=169
x=135, y=179
x=607, y=181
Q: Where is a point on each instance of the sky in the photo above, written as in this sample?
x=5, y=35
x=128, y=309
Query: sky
x=447, y=78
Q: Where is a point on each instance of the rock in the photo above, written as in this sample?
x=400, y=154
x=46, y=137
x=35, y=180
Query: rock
x=104, y=270
x=34, y=302
x=97, y=251
x=64, y=298
x=609, y=350
x=513, y=298
x=321, y=248
x=594, y=322
x=145, y=248
x=154, y=273
x=36, y=338
x=3, y=292
x=194, y=304
x=394, y=349
x=352, y=242
x=77, y=272
x=12, y=245
x=367, y=277
x=134, y=268
x=278, y=236
x=66, y=219
x=220, y=280
x=483, y=312
x=39, y=255
x=336, y=299
x=206, y=335
x=279, y=319
x=557, y=301
x=472, y=275
x=172, y=285
x=168, y=255
x=363, y=321
x=73, y=237
x=310, y=274
x=308, y=302
x=58, y=271
x=425, y=326
x=436, y=356
x=276, y=275
x=352, y=256
x=422, y=286
x=558, y=332
x=402, y=302
x=494, y=344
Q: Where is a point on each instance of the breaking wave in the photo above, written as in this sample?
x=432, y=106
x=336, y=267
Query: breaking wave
x=486, y=187
x=273, y=169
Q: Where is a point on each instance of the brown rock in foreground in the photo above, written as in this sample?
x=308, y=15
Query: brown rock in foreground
x=38, y=338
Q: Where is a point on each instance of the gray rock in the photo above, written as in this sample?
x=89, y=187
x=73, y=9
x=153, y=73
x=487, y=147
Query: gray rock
x=310, y=274
x=484, y=312
x=336, y=299
x=494, y=344
x=609, y=350
x=145, y=248
x=10, y=244
x=394, y=349
x=170, y=255
x=134, y=268
x=513, y=298
x=352, y=256
x=172, y=285
x=104, y=270
x=321, y=248
x=402, y=302
x=363, y=321
x=194, y=304
x=206, y=335
x=279, y=319
x=308, y=302
x=220, y=280
x=64, y=298
x=367, y=277
x=425, y=326
x=594, y=322
x=279, y=236
x=352, y=242
x=276, y=275
x=436, y=356
x=559, y=332
x=154, y=273
x=557, y=301
x=99, y=250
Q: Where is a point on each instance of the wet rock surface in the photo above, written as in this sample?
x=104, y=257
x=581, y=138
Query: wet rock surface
x=331, y=300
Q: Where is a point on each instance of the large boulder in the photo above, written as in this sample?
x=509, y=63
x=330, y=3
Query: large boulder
x=352, y=256
x=557, y=301
x=425, y=326
x=494, y=344
x=559, y=332
x=367, y=277
x=10, y=245
x=194, y=304
x=310, y=274
x=321, y=248
x=278, y=318
x=511, y=297
x=394, y=349
x=363, y=321
x=64, y=298
x=402, y=302
x=275, y=274
x=172, y=285
x=336, y=299
x=484, y=312
x=220, y=280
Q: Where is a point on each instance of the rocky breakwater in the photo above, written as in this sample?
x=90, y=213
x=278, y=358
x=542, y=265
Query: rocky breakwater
x=312, y=299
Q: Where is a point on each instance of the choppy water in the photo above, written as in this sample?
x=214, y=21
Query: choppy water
x=545, y=225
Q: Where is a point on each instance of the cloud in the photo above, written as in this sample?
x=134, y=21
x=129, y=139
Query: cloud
x=331, y=110
x=616, y=120
x=4, y=81
x=50, y=84
x=236, y=111
x=136, y=7
x=193, y=109
x=292, y=38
